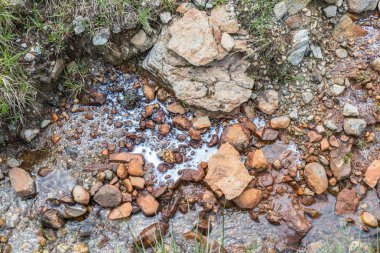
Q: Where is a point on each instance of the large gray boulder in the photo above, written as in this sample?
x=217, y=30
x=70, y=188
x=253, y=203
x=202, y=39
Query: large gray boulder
x=192, y=60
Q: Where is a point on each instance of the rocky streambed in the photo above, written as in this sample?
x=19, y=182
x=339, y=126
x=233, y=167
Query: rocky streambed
x=129, y=155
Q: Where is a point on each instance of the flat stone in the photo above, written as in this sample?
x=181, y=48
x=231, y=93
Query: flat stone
x=280, y=122
x=347, y=28
x=108, y=196
x=249, y=199
x=316, y=177
x=176, y=108
x=359, y=6
x=237, y=136
x=347, y=202
x=330, y=11
x=372, y=174
x=355, y=127
x=257, y=160
x=148, y=204
x=340, y=163
x=22, y=182
x=193, y=39
x=226, y=173
x=350, y=110
x=201, y=122
x=121, y=212
x=125, y=157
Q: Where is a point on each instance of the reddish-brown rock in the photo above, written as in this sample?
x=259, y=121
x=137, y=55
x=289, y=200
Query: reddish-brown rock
x=120, y=212
x=181, y=123
x=372, y=174
x=148, y=204
x=256, y=160
x=108, y=196
x=347, y=202
x=22, y=182
x=237, y=136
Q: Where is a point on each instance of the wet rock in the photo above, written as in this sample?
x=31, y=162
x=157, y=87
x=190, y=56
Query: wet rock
x=227, y=173
x=368, y=219
x=256, y=160
x=281, y=122
x=295, y=219
x=142, y=41
x=81, y=195
x=52, y=219
x=191, y=175
x=135, y=168
x=126, y=157
x=213, y=141
x=122, y=171
x=355, y=127
x=237, y=136
x=269, y=134
x=176, y=108
x=350, y=110
x=195, y=134
x=372, y=174
x=152, y=234
x=300, y=45
x=347, y=202
x=182, y=52
x=148, y=204
x=93, y=98
x=347, y=28
x=181, y=123
x=376, y=64
x=108, y=196
x=249, y=199
x=316, y=177
x=29, y=134
x=201, y=122
x=163, y=129
x=22, y=182
x=101, y=37
x=358, y=6
x=137, y=182
x=268, y=102
x=74, y=211
x=340, y=163
x=120, y=212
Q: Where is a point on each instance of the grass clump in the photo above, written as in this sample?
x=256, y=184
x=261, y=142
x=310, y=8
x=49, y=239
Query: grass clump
x=16, y=93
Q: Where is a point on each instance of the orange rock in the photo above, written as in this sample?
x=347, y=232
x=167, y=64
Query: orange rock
x=248, y=199
x=120, y=212
x=256, y=160
x=372, y=174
